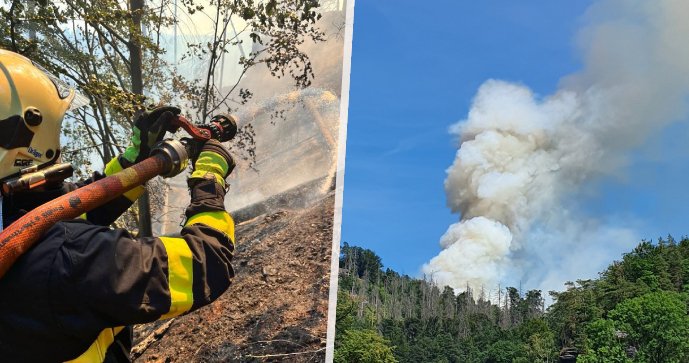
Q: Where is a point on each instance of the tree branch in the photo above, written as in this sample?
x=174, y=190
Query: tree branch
x=284, y=354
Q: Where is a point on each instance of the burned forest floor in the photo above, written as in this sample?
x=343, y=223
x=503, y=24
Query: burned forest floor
x=277, y=306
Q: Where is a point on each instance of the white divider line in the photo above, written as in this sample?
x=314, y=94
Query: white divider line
x=339, y=184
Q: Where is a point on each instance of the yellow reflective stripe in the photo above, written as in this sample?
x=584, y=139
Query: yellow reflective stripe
x=180, y=275
x=219, y=220
x=113, y=167
x=96, y=352
x=135, y=193
x=201, y=174
x=210, y=162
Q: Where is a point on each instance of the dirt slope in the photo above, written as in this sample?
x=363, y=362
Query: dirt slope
x=276, y=309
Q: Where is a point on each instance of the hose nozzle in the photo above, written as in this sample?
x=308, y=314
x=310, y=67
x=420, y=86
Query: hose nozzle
x=222, y=127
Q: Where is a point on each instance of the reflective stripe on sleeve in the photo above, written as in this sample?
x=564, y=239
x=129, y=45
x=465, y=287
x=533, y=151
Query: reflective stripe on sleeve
x=220, y=220
x=213, y=161
x=97, y=350
x=180, y=275
x=210, y=162
x=113, y=167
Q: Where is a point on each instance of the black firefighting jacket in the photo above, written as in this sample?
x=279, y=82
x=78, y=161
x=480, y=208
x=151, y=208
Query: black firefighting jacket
x=74, y=294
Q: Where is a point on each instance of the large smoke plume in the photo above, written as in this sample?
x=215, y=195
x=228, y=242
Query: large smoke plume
x=523, y=157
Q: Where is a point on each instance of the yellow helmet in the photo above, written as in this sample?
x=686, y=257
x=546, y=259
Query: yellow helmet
x=33, y=103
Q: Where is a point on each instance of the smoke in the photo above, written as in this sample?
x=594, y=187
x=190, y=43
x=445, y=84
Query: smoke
x=522, y=157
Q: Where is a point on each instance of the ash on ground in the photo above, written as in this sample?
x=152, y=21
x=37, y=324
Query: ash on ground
x=276, y=308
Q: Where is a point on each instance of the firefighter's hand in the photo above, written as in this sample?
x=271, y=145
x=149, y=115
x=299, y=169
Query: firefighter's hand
x=149, y=129
x=214, y=162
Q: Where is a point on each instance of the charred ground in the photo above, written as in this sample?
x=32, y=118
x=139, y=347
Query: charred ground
x=276, y=308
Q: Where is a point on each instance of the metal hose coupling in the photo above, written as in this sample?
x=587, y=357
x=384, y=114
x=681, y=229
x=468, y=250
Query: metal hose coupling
x=175, y=154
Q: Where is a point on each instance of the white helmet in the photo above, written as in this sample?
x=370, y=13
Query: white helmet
x=32, y=105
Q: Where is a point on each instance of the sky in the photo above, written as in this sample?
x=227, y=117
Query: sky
x=415, y=71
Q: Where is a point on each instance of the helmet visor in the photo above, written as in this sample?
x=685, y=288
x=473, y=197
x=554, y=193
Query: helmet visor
x=64, y=90
x=78, y=101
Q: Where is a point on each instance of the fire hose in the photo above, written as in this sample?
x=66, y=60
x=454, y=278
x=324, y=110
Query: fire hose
x=167, y=159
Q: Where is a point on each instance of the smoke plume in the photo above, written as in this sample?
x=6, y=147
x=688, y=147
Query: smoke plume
x=522, y=157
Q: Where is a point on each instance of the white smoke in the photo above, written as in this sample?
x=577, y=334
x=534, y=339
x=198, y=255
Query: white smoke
x=523, y=157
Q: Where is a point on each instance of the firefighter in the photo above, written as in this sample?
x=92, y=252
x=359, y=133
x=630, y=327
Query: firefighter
x=76, y=293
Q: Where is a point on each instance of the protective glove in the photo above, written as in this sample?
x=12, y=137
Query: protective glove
x=149, y=129
x=213, y=162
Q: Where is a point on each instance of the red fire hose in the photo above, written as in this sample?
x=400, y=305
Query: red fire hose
x=169, y=160
x=21, y=235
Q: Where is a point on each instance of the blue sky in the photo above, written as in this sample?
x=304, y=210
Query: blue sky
x=415, y=68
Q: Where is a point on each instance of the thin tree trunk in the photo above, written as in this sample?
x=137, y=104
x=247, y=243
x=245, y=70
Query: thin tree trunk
x=135, y=57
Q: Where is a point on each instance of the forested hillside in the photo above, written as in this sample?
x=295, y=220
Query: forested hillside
x=636, y=311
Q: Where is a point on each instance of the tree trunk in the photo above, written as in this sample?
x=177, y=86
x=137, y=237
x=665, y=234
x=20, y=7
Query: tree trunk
x=136, y=7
